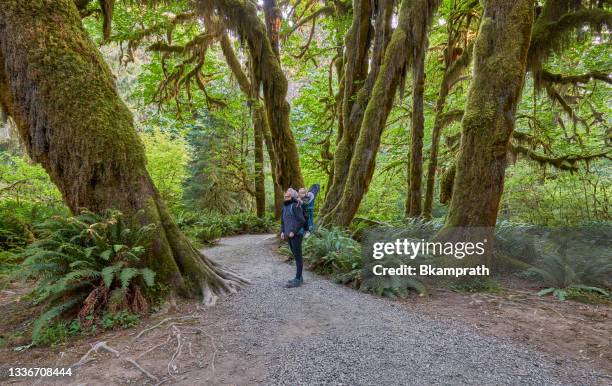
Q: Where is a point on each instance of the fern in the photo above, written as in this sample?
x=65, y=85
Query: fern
x=79, y=261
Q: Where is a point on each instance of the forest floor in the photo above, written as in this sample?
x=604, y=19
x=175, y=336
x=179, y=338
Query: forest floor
x=324, y=333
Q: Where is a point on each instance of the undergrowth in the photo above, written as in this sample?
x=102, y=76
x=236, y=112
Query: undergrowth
x=207, y=229
x=85, y=267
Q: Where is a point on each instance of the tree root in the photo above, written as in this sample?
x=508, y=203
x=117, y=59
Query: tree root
x=102, y=345
x=146, y=330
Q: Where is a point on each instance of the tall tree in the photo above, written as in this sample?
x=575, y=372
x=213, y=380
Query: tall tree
x=500, y=57
x=242, y=17
x=355, y=71
x=415, y=170
x=48, y=66
x=414, y=19
x=442, y=118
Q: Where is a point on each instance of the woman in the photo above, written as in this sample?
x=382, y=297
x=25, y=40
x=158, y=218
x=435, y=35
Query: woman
x=292, y=228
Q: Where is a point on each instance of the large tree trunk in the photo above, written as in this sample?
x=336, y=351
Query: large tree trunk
x=500, y=55
x=415, y=175
x=62, y=96
x=450, y=77
x=414, y=19
x=242, y=16
x=358, y=101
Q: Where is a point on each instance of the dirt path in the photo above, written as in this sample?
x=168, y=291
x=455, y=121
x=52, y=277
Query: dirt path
x=321, y=333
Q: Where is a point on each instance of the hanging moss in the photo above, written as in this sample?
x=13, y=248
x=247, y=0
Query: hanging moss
x=242, y=17
x=500, y=55
x=553, y=30
x=414, y=19
x=61, y=94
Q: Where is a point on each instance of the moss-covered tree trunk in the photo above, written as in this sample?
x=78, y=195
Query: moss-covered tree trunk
x=414, y=19
x=450, y=77
x=500, y=55
x=273, y=23
x=352, y=108
x=242, y=17
x=259, y=117
x=260, y=187
x=63, y=99
x=415, y=175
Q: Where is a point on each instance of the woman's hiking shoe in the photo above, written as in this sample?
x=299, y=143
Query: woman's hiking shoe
x=294, y=283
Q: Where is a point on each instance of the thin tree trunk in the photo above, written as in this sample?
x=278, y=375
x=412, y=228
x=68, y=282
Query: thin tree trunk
x=242, y=16
x=451, y=75
x=62, y=96
x=500, y=56
x=413, y=200
x=258, y=114
x=414, y=20
x=260, y=187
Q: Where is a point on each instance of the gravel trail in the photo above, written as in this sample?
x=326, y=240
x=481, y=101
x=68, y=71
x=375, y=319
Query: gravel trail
x=324, y=333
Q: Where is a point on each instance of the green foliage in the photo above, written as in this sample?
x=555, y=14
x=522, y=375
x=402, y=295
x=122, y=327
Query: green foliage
x=208, y=229
x=332, y=251
x=88, y=263
x=561, y=270
x=58, y=332
x=167, y=159
x=27, y=196
x=121, y=319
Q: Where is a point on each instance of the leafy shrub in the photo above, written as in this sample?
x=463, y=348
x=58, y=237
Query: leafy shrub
x=121, y=319
x=209, y=228
x=58, y=332
x=560, y=270
x=332, y=251
x=90, y=263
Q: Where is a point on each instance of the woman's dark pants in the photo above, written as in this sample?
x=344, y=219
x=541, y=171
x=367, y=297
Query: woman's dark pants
x=295, y=243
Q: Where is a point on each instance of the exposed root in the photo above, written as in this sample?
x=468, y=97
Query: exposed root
x=177, y=352
x=146, y=330
x=153, y=348
x=102, y=345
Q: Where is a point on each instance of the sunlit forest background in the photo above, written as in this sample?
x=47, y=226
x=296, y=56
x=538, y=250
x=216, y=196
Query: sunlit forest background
x=199, y=140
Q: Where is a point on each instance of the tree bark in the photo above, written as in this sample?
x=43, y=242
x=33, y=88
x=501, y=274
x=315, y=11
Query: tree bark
x=62, y=96
x=355, y=93
x=260, y=187
x=242, y=16
x=258, y=112
x=414, y=19
x=451, y=75
x=415, y=175
x=273, y=23
x=500, y=56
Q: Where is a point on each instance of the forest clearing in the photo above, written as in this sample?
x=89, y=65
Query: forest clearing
x=305, y=192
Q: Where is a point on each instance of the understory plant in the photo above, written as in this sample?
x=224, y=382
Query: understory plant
x=210, y=227
x=334, y=252
x=87, y=265
x=560, y=274
x=563, y=268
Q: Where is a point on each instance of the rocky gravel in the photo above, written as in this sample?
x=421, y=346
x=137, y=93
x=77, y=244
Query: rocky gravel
x=326, y=334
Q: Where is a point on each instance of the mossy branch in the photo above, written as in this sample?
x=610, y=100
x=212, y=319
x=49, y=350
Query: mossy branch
x=566, y=162
x=553, y=36
x=575, y=79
